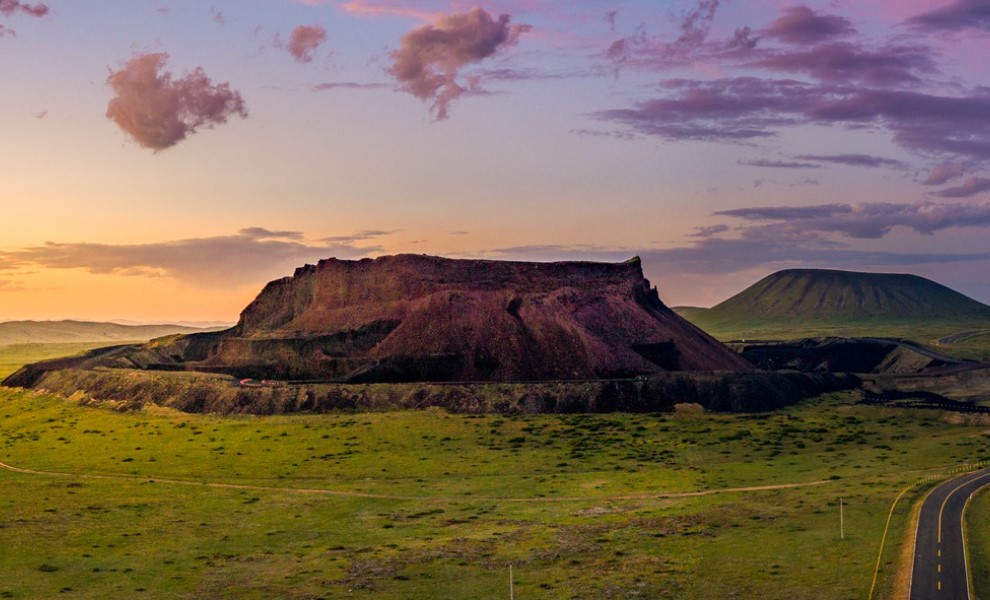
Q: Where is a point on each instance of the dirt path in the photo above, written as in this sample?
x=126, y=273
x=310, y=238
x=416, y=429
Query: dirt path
x=350, y=494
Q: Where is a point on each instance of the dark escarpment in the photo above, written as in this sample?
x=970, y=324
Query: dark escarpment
x=423, y=318
x=415, y=318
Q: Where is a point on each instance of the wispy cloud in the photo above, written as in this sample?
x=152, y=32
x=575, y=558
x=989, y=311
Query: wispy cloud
x=801, y=25
x=10, y=8
x=779, y=164
x=159, y=111
x=749, y=108
x=944, y=173
x=252, y=256
x=855, y=160
x=360, y=236
x=867, y=220
x=958, y=15
x=845, y=78
x=387, y=8
x=707, y=232
x=971, y=187
x=348, y=85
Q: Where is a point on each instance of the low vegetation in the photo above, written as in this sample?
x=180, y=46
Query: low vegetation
x=14, y=356
x=161, y=504
x=978, y=534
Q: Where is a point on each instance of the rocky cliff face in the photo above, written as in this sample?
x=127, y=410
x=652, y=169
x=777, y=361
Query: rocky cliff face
x=424, y=318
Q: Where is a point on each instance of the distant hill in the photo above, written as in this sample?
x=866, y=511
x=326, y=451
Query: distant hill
x=52, y=332
x=799, y=302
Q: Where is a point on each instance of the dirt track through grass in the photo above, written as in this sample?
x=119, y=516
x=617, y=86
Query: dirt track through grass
x=347, y=494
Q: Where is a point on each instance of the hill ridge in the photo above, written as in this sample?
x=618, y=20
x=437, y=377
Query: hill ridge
x=817, y=302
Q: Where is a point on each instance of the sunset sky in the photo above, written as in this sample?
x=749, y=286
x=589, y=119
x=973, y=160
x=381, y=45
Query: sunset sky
x=162, y=159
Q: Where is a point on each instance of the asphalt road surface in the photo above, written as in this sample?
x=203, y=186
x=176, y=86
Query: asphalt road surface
x=955, y=337
x=939, y=554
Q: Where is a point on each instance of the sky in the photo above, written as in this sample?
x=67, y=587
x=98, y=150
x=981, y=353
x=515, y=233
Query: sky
x=161, y=160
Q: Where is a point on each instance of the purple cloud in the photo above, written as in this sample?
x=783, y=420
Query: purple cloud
x=945, y=172
x=695, y=26
x=783, y=213
x=641, y=50
x=348, y=85
x=854, y=160
x=801, y=25
x=609, y=18
x=868, y=220
x=844, y=62
x=956, y=16
x=733, y=109
x=747, y=108
x=707, y=232
x=158, y=111
x=971, y=187
x=779, y=164
x=430, y=57
x=304, y=40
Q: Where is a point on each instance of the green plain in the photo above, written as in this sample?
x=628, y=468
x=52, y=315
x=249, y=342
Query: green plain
x=420, y=504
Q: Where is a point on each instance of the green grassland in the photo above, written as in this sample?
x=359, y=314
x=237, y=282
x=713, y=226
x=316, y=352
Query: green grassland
x=978, y=534
x=13, y=356
x=156, y=503
x=730, y=328
x=420, y=504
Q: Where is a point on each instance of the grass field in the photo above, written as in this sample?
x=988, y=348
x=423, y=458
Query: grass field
x=13, y=356
x=418, y=504
x=426, y=504
x=927, y=333
x=978, y=533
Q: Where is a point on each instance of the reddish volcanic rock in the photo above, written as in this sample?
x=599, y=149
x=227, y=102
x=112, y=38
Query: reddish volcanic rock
x=424, y=318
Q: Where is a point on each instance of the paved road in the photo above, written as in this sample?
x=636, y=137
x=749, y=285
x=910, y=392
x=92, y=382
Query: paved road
x=955, y=337
x=939, y=553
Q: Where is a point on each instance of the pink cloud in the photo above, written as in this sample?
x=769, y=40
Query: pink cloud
x=304, y=40
x=944, y=173
x=430, y=57
x=801, y=25
x=159, y=111
x=9, y=7
x=971, y=187
x=386, y=8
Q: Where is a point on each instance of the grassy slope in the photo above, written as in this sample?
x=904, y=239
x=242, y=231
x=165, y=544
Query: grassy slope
x=470, y=494
x=50, y=332
x=13, y=356
x=978, y=533
x=811, y=303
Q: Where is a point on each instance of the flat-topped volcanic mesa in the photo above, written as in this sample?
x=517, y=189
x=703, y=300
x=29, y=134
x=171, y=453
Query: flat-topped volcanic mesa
x=424, y=318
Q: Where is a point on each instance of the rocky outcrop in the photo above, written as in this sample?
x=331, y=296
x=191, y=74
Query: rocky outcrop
x=424, y=318
x=414, y=318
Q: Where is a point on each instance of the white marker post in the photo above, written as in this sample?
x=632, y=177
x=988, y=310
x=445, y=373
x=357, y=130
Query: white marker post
x=842, y=527
x=512, y=592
